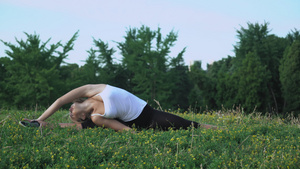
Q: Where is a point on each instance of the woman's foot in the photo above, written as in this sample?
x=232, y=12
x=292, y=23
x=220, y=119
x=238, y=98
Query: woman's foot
x=29, y=124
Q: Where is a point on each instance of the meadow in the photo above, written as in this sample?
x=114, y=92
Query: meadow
x=246, y=141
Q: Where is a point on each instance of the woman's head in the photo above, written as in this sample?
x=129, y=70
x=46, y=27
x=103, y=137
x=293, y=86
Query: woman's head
x=79, y=111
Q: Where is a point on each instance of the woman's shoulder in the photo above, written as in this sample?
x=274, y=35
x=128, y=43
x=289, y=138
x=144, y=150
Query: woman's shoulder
x=94, y=89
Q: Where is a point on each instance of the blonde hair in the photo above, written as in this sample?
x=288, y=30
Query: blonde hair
x=80, y=100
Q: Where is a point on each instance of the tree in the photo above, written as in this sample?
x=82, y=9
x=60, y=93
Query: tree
x=252, y=87
x=5, y=98
x=89, y=72
x=251, y=39
x=180, y=82
x=110, y=72
x=293, y=36
x=210, y=84
x=275, y=47
x=147, y=62
x=100, y=67
x=198, y=96
x=227, y=84
x=71, y=76
x=33, y=70
x=290, y=77
x=269, y=48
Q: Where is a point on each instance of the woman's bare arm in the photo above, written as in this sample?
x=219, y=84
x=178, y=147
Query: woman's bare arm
x=65, y=125
x=62, y=125
x=83, y=91
x=109, y=123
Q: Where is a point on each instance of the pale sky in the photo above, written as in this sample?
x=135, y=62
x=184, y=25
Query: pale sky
x=206, y=28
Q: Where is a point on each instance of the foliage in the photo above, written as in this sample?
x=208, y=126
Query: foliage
x=249, y=141
x=226, y=83
x=290, y=77
x=251, y=78
x=100, y=67
x=252, y=83
x=201, y=92
x=262, y=75
x=147, y=64
x=32, y=71
x=269, y=49
x=179, y=82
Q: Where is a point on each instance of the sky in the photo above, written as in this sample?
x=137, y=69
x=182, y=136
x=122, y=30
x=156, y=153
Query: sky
x=208, y=29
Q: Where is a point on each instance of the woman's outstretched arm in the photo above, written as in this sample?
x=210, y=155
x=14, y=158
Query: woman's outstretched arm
x=83, y=91
x=109, y=123
x=62, y=125
x=65, y=125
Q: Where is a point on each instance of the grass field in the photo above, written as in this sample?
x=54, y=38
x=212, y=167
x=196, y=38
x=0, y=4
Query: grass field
x=249, y=141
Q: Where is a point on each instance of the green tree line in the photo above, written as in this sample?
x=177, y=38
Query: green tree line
x=264, y=74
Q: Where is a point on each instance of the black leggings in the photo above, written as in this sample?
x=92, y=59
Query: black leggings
x=151, y=118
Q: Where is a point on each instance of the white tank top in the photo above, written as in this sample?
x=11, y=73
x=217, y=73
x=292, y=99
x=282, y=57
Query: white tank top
x=119, y=103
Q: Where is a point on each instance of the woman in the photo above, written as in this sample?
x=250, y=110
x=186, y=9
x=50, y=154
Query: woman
x=112, y=107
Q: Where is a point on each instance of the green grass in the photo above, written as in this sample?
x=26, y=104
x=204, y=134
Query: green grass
x=249, y=141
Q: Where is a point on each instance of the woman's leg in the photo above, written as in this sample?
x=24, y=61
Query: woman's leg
x=151, y=118
x=166, y=120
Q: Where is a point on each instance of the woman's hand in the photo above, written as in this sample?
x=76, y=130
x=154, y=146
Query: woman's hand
x=42, y=123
